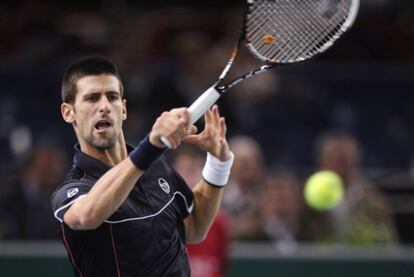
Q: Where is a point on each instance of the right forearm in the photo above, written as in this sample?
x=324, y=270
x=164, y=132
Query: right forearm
x=111, y=190
x=105, y=197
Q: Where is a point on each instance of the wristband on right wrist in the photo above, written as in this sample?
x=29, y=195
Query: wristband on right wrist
x=145, y=154
x=217, y=172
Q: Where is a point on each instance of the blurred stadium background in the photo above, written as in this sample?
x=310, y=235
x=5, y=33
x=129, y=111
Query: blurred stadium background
x=170, y=51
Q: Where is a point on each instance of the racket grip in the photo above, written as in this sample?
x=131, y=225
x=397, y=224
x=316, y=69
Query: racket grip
x=199, y=108
x=203, y=103
x=166, y=142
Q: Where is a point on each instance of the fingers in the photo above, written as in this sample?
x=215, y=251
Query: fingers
x=223, y=127
x=173, y=126
x=173, y=129
x=212, y=116
x=193, y=130
x=214, y=122
x=213, y=138
x=208, y=117
x=183, y=115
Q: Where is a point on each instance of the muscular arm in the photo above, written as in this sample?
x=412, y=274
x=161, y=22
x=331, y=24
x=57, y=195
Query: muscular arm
x=105, y=197
x=111, y=190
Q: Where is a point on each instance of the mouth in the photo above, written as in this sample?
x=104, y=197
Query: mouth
x=102, y=125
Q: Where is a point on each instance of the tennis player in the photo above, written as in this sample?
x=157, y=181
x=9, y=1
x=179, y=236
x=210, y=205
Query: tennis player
x=124, y=211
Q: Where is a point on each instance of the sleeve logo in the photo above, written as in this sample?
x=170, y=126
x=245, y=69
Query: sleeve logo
x=164, y=185
x=72, y=192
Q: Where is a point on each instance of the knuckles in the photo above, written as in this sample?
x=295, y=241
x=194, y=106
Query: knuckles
x=172, y=123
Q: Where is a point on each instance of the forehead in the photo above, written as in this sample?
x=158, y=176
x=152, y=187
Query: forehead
x=97, y=83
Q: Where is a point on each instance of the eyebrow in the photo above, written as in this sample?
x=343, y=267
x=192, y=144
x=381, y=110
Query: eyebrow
x=113, y=92
x=110, y=92
x=92, y=93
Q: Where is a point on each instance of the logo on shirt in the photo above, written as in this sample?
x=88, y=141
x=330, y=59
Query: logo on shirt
x=164, y=185
x=72, y=192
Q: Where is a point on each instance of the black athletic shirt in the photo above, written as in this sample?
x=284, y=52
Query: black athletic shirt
x=144, y=237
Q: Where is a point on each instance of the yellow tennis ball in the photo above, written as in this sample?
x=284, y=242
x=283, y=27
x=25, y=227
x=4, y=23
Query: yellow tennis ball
x=323, y=190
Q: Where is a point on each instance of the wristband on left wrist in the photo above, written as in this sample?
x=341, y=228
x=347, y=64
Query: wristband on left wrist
x=216, y=172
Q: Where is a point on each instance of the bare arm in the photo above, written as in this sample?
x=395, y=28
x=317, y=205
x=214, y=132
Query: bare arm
x=207, y=198
x=105, y=197
x=111, y=190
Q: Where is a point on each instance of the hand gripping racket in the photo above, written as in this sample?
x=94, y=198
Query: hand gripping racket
x=280, y=32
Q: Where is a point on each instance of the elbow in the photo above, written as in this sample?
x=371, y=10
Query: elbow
x=196, y=231
x=197, y=238
x=200, y=239
x=88, y=222
x=82, y=222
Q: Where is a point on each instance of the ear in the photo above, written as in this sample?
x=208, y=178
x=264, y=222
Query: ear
x=68, y=113
x=124, y=109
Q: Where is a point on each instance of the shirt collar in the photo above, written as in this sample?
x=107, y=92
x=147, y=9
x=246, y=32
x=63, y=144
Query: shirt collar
x=91, y=165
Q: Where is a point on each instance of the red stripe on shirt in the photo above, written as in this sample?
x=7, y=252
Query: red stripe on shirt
x=114, y=248
x=69, y=251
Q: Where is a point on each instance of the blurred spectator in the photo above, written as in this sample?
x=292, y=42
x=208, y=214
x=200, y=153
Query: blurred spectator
x=241, y=197
x=364, y=216
x=280, y=210
x=25, y=201
x=170, y=54
x=211, y=257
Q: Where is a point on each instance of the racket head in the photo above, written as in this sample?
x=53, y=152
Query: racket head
x=289, y=31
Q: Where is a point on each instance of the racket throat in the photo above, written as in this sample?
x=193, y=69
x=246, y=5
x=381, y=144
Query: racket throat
x=203, y=103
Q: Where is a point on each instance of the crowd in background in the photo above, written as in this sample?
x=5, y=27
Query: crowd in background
x=349, y=111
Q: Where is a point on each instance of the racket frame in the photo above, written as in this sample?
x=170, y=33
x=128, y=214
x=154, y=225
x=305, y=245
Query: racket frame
x=212, y=94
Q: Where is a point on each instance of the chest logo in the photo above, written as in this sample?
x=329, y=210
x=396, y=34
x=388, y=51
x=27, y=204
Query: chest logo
x=72, y=192
x=164, y=185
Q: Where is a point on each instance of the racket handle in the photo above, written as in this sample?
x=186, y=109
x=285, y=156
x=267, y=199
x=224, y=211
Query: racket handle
x=203, y=103
x=199, y=108
x=166, y=142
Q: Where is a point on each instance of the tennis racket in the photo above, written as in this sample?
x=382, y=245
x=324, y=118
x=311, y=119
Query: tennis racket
x=280, y=32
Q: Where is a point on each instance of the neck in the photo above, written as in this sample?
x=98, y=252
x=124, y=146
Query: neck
x=112, y=156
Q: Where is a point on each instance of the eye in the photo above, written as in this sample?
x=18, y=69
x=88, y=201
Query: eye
x=113, y=97
x=92, y=98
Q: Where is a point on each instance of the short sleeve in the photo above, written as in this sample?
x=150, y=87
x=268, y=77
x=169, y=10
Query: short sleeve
x=65, y=196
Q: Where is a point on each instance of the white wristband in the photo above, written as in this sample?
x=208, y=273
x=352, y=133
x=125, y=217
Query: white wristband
x=217, y=172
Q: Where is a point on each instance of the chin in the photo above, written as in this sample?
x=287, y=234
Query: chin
x=103, y=144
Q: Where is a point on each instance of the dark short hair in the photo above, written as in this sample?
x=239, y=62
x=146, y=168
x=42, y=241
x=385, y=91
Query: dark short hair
x=93, y=65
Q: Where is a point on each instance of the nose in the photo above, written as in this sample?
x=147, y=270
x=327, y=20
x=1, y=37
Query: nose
x=104, y=106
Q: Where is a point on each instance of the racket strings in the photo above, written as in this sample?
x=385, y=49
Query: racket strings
x=292, y=18
x=295, y=46
x=263, y=23
x=326, y=31
x=295, y=29
x=318, y=35
x=268, y=27
x=310, y=34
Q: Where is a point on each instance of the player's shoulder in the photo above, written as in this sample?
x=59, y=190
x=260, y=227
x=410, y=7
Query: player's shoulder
x=75, y=183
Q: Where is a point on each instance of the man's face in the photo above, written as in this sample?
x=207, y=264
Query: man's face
x=98, y=111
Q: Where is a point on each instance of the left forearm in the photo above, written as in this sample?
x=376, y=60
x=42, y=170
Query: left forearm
x=207, y=200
